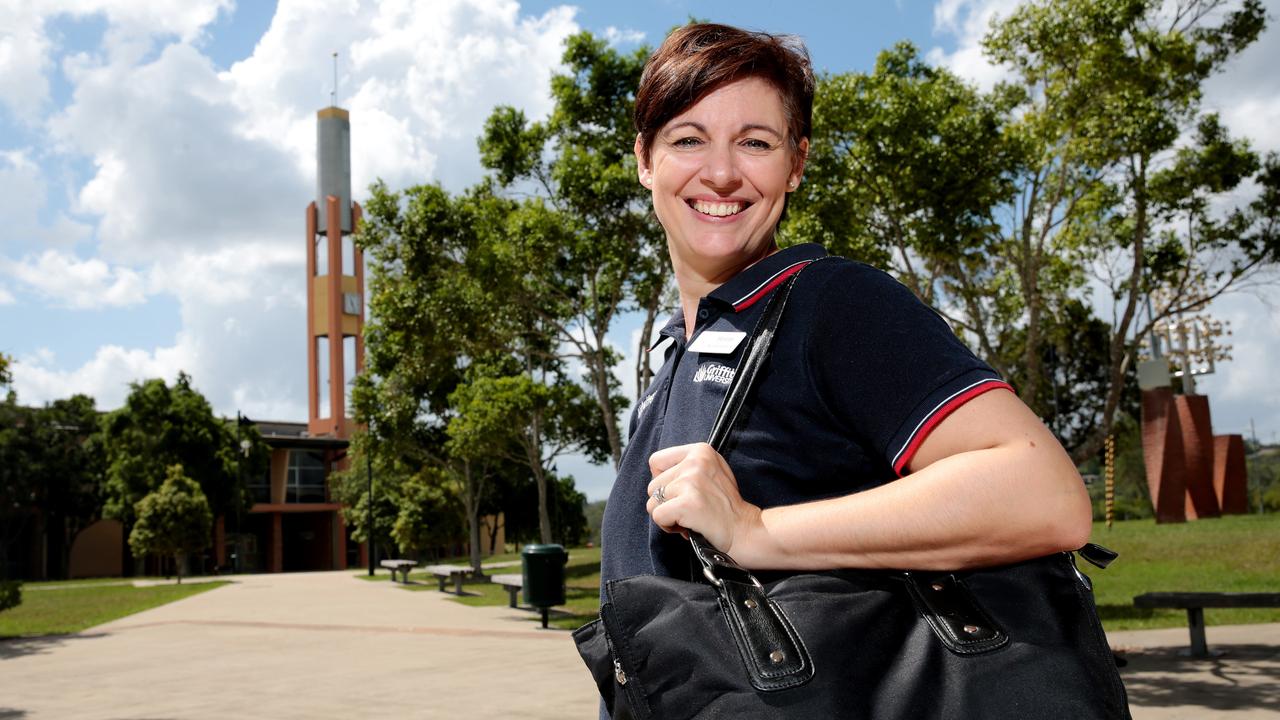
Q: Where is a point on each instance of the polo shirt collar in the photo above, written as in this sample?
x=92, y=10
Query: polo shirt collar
x=744, y=289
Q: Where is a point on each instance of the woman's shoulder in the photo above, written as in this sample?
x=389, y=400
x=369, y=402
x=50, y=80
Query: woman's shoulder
x=839, y=279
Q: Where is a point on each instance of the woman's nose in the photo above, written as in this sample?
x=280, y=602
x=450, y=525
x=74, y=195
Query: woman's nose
x=720, y=171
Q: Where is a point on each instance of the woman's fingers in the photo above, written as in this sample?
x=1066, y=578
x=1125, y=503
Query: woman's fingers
x=698, y=491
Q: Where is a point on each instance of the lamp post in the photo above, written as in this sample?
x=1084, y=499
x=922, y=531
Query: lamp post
x=246, y=446
x=368, y=458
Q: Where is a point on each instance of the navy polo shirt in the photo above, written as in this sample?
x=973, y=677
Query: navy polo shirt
x=859, y=374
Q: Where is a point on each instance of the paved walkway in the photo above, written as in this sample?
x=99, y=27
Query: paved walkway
x=307, y=645
x=1164, y=684
x=327, y=645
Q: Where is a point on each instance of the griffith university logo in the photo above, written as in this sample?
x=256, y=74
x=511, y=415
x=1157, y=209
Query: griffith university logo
x=714, y=372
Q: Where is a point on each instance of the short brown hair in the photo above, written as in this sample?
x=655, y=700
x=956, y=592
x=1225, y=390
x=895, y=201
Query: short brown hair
x=696, y=59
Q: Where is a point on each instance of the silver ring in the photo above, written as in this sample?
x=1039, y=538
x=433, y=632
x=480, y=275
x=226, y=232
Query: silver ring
x=660, y=495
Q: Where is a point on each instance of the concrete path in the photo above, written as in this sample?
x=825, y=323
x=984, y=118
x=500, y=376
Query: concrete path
x=328, y=645
x=310, y=645
x=1243, y=681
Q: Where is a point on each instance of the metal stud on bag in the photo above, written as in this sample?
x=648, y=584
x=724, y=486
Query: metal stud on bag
x=777, y=656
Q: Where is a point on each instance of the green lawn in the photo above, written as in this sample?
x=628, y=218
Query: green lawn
x=83, y=605
x=1239, y=553
x=1231, y=554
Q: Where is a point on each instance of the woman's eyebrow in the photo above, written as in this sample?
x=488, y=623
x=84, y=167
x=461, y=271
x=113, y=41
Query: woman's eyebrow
x=758, y=126
x=687, y=123
x=702, y=128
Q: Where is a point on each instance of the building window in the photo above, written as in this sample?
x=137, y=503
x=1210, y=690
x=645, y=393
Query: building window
x=260, y=487
x=306, y=477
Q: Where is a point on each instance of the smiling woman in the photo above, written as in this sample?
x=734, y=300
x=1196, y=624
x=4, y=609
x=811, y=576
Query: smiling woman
x=873, y=440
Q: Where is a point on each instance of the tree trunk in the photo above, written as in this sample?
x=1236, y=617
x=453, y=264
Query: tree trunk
x=600, y=378
x=544, y=519
x=471, y=499
x=177, y=566
x=644, y=375
x=1121, y=350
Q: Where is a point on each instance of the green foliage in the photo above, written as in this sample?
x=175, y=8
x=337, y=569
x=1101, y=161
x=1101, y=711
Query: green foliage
x=585, y=247
x=1263, y=468
x=997, y=206
x=6, y=375
x=475, y=297
x=594, y=513
x=50, y=460
x=1132, y=498
x=565, y=511
x=160, y=426
x=173, y=520
x=10, y=594
x=907, y=160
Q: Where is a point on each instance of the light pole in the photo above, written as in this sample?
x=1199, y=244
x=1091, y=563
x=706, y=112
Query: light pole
x=368, y=458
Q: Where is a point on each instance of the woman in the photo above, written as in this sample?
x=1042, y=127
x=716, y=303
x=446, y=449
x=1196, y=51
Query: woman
x=874, y=438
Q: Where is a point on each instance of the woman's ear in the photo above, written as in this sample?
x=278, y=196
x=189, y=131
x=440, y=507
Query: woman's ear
x=643, y=171
x=797, y=172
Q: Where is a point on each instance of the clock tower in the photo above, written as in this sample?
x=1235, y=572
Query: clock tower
x=335, y=282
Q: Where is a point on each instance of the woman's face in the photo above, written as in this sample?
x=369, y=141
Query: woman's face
x=719, y=173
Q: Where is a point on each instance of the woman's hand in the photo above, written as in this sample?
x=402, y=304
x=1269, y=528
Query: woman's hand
x=701, y=494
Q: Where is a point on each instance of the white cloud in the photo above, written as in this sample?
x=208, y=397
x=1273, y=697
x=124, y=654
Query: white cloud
x=67, y=281
x=199, y=178
x=24, y=61
x=6, y=297
x=616, y=37
x=23, y=195
x=105, y=377
x=967, y=22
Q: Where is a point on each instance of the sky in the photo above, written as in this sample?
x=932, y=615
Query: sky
x=156, y=160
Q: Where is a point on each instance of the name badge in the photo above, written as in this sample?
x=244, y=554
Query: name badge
x=716, y=343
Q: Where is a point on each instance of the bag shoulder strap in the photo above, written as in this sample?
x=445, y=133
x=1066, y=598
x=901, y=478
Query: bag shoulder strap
x=773, y=653
x=716, y=563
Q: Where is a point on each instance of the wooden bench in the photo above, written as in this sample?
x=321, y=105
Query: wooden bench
x=444, y=573
x=401, y=566
x=1195, y=603
x=510, y=583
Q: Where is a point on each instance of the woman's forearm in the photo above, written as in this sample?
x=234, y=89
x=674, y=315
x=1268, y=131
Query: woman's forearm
x=1017, y=500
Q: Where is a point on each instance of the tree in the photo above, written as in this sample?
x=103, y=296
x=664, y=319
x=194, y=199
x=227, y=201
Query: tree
x=19, y=487
x=174, y=520
x=1109, y=87
x=69, y=473
x=992, y=206
x=6, y=375
x=586, y=245
x=526, y=420
x=160, y=426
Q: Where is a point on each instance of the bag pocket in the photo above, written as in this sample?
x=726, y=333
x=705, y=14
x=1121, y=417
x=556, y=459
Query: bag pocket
x=606, y=668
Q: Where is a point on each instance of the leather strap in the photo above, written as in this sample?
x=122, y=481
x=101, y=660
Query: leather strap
x=774, y=655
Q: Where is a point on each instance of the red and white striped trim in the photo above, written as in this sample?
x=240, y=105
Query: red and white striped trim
x=763, y=288
x=937, y=414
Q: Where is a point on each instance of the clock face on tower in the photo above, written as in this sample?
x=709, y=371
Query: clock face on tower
x=351, y=303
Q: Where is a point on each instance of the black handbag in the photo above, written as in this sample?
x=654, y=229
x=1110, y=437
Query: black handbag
x=1018, y=641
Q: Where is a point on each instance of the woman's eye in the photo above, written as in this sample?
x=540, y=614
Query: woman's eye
x=756, y=144
x=687, y=142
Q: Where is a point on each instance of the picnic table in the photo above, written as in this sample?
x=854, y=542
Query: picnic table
x=444, y=573
x=401, y=566
x=1196, y=602
x=512, y=584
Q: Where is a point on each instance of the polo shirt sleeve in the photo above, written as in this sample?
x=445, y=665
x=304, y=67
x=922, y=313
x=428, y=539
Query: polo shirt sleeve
x=886, y=365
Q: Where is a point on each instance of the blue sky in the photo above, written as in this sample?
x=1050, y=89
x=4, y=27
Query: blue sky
x=156, y=159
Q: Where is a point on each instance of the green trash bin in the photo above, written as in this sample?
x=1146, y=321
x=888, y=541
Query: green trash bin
x=543, y=575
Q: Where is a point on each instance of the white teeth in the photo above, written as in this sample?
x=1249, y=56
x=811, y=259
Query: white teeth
x=718, y=209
